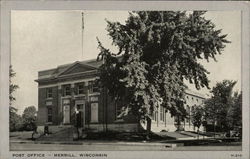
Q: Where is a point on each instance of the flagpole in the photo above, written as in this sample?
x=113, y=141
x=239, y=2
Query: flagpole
x=82, y=32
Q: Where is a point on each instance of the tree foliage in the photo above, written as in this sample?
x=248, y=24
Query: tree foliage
x=157, y=51
x=197, y=116
x=234, y=115
x=29, y=118
x=218, y=106
x=12, y=86
x=15, y=122
x=14, y=118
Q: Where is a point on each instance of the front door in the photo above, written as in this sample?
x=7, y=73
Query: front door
x=80, y=105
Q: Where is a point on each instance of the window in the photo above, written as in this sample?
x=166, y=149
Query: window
x=80, y=88
x=49, y=114
x=93, y=87
x=49, y=93
x=66, y=90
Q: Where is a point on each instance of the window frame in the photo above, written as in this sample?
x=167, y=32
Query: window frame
x=82, y=89
x=65, y=90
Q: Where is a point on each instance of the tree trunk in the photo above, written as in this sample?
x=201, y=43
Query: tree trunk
x=148, y=128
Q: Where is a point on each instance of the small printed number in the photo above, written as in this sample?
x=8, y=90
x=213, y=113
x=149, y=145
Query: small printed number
x=236, y=155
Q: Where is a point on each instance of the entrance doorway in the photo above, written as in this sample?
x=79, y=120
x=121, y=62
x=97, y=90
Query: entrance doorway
x=80, y=106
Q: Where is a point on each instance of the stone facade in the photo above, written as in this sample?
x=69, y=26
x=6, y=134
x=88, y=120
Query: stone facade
x=70, y=89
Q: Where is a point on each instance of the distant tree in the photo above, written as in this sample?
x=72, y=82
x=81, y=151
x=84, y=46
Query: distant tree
x=29, y=118
x=14, y=118
x=234, y=115
x=197, y=117
x=16, y=122
x=12, y=86
x=157, y=51
x=217, y=107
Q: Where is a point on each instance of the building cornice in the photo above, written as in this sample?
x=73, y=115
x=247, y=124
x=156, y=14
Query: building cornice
x=68, y=76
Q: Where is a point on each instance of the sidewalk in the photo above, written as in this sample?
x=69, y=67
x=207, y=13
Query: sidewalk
x=95, y=142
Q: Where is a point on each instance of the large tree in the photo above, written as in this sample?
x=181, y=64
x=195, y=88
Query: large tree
x=158, y=50
x=218, y=106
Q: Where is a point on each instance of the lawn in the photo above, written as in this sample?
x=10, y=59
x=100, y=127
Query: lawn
x=21, y=135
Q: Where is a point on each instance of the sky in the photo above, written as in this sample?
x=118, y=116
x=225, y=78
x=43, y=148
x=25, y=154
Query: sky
x=45, y=39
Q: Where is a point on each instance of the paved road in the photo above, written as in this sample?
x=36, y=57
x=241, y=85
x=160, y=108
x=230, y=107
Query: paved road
x=115, y=147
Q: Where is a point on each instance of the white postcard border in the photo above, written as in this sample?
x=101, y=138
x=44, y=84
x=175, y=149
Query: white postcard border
x=7, y=6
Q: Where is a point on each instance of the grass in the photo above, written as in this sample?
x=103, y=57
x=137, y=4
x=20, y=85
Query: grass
x=21, y=135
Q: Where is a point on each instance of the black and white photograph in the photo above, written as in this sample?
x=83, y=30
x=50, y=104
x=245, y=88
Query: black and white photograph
x=125, y=80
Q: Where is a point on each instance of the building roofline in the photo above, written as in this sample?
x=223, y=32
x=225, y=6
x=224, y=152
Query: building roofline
x=68, y=64
x=190, y=92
